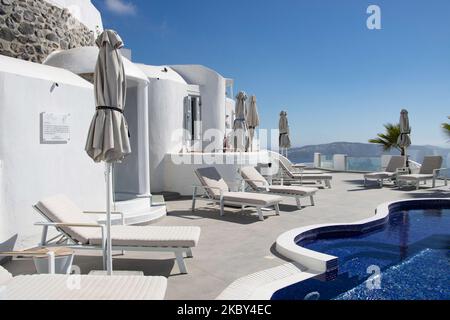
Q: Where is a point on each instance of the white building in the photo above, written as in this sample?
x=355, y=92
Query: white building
x=178, y=117
x=34, y=161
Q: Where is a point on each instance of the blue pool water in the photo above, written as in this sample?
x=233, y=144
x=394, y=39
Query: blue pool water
x=406, y=259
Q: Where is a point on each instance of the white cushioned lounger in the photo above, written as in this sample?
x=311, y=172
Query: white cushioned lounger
x=86, y=233
x=259, y=184
x=296, y=177
x=218, y=191
x=80, y=287
x=429, y=170
x=395, y=163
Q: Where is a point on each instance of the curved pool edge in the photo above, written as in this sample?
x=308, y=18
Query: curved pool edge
x=287, y=246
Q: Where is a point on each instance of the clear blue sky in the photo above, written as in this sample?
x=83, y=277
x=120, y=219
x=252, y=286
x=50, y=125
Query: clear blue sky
x=338, y=80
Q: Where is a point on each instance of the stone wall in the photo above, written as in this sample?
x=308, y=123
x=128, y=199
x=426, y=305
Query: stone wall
x=32, y=29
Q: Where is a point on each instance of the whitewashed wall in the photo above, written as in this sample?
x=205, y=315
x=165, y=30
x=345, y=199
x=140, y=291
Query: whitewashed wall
x=83, y=10
x=181, y=177
x=212, y=89
x=166, y=103
x=29, y=170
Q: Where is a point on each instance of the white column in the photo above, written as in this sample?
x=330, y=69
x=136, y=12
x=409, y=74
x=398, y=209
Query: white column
x=340, y=162
x=143, y=141
x=317, y=160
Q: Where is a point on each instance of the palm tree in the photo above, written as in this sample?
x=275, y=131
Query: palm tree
x=389, y=139
x=446, y=127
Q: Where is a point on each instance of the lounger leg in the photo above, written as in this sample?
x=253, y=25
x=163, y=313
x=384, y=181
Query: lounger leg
x=222, y=208
x=312, y=201
x=277, y=209
x=194, y=196
x=365, y=182
x=434, y=182
x=260, y=214
x=381, y=183
x=189, y=253
x=104, y=260
x=418, y=185
x=180, y=261
x=299, y=204
x=44, y=236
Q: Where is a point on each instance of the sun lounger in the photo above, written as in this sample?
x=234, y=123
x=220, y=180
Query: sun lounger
x=218, y=191
x=82, y=232
x=258, y=183
x=80, y=287
x=287, y=175
x=395, y=163
x=429, y=170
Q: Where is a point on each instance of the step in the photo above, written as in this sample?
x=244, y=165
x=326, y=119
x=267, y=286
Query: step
x=169, y=196
x=138, y=211
x=262, y=285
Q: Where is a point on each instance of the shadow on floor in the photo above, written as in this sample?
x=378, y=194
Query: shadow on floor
x=273, y=250
x=232, y=215
x=150, y=267
x=289, y=208
x=428, y=194
x=371, y=185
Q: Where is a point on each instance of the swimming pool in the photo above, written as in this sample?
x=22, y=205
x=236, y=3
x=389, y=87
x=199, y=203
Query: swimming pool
x=407, y=258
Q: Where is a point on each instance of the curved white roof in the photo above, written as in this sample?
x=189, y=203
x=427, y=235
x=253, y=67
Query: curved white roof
x=39, y=71
x=161, y=72
x=82, y=60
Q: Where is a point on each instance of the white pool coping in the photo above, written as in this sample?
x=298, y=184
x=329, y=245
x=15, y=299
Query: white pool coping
x=306, y=263
x=315, y=261
x=262, y=285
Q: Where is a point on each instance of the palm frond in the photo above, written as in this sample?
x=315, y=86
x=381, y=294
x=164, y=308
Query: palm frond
x=389, y=139
x=446, y=128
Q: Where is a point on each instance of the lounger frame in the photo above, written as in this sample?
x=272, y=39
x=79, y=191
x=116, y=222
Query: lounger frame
x=65, y=240
x=286, y=175
x=266, y=190
x=380, y=181
x=221, y=202
x=402, y=181
x=298, y=178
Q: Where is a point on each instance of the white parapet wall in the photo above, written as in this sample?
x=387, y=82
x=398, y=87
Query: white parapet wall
x=83, y=10
x=179, y=172
x=340, y=162
x=32, y=165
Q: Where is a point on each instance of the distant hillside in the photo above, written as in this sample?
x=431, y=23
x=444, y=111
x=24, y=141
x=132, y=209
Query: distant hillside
x=306, y=154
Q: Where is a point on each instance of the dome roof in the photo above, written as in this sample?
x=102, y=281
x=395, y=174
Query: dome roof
x=161, y=72
x=83, y=60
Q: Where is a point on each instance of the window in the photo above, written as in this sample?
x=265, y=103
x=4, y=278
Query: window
x=193, y=123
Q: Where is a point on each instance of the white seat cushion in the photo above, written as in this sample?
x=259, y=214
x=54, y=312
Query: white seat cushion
x=5, y=276
x=317, y=177
x=414, y=177
x=379, y=175
x=292, y=190
x=210, y=177
x=251, y=198
x=60, y=209
x=151, y=236
x=253, y=178
x=63, y=287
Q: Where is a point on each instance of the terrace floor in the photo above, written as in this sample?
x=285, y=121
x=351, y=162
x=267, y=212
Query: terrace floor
x=239, y=244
